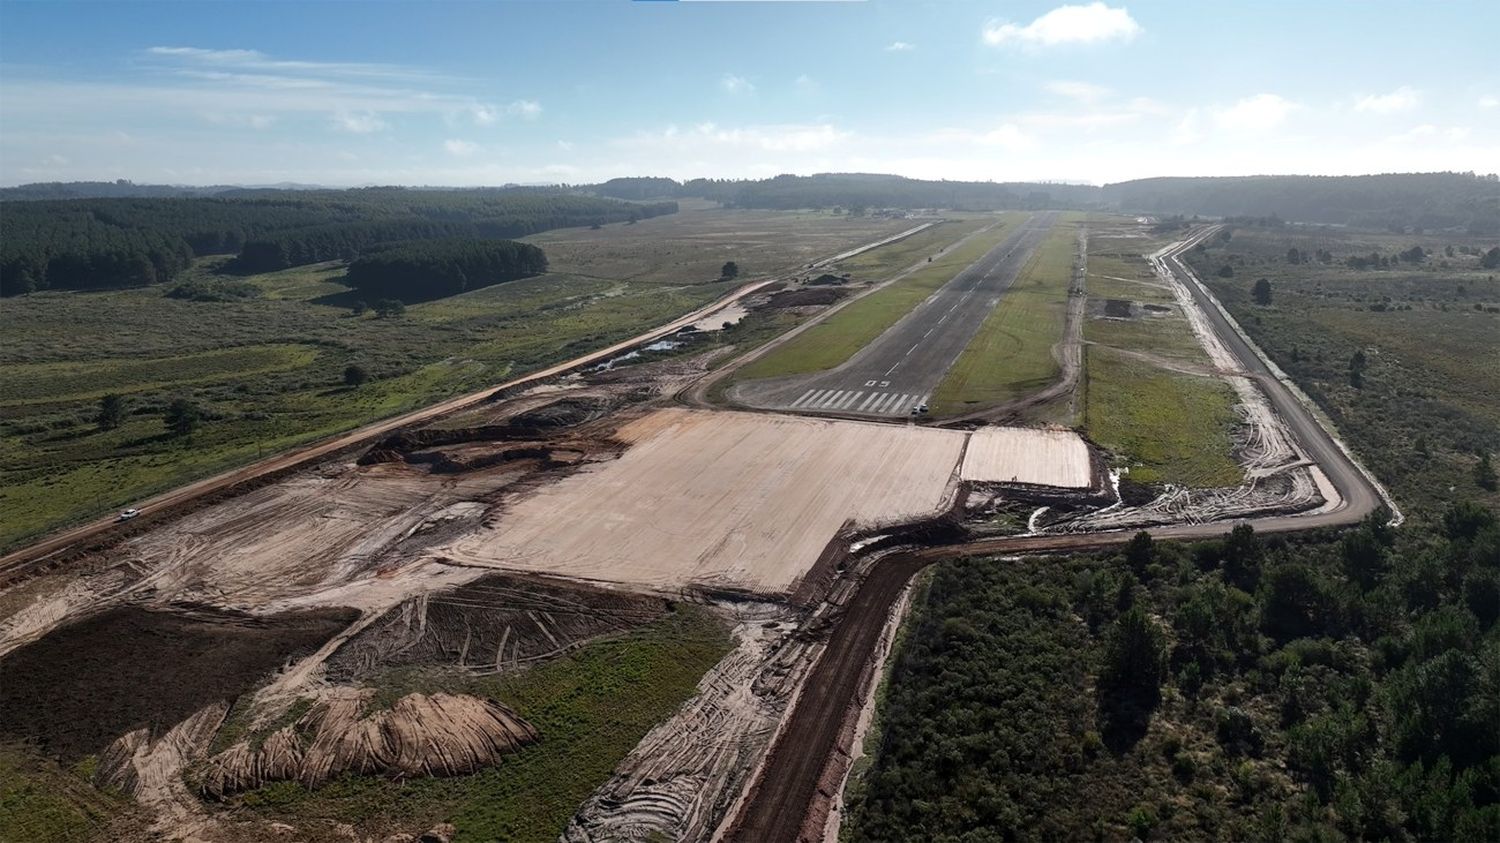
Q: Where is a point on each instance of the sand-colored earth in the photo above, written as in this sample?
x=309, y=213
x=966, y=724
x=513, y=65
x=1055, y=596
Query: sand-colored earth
x=1048, y=457
x=739, y=500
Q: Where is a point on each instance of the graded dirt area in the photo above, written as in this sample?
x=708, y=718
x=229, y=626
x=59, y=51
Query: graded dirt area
x=740, y=501
x=1039, y=457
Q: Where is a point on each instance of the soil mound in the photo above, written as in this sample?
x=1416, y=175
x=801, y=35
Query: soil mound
x=492, y=624
x=421, y=735
x=567, y=412
x=806, y=298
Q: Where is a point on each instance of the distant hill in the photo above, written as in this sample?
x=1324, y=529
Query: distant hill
x=858, y=190
x=121, y=189
x=1431, y=201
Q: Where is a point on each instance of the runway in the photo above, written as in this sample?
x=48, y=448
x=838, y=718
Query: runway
x=899, y=370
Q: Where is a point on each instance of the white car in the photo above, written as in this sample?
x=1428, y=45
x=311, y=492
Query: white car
x=128, y=514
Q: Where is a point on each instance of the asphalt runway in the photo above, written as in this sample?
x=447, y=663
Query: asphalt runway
x=900, y=369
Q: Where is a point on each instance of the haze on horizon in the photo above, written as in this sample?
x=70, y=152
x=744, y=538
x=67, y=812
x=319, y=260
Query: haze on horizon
x=345, y=94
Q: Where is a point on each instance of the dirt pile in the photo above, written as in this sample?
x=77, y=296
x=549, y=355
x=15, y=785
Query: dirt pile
x=806, y=298
x=421, y=735
x=489, y=625
x=396, y=446
x=567, y=412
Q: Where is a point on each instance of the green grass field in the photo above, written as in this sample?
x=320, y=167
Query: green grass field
x=1170, y=427
x=42, y=802
x=591, y=707
x=267, y=371
x=837, y=338
x=1140, y=400
x=1011, y=355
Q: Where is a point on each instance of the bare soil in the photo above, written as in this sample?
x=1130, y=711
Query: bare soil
x=78, y=688
x=489, y=625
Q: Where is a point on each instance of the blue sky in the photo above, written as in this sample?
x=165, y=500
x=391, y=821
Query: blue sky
x=346, y=93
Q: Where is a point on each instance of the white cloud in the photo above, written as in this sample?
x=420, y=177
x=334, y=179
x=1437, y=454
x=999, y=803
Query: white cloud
x=775, y=138
x=1488, y=102
x=1188, y=130
x=256, y=60
x=1403, y=98
x=736, y=84
x=1084, y=92
x=246, y=121
x=460, y=147
x=805, y=83
x=1007, y=136
x=359, y=122
x=524, y=109
x=565, y=146
x=899, y=47
x=1091, y=24
x=1428, y=133
x=1259, y=113
x=484, y=114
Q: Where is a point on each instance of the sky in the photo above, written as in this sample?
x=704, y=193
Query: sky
x=547, y=91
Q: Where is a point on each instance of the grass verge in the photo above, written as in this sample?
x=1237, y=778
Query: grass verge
x=1171, y=427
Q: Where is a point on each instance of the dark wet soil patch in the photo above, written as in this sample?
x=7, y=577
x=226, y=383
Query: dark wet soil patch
x=567, y=412
x=80, y=687
x=1118, y=308
x=806, y=298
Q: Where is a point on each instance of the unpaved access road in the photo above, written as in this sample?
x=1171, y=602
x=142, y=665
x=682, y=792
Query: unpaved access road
x=902, y=366
x=778, y=804
x=1359, y=492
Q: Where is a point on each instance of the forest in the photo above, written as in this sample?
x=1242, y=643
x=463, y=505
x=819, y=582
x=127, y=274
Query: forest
x=124, y=242
x=418, y=271
x=1240, y=689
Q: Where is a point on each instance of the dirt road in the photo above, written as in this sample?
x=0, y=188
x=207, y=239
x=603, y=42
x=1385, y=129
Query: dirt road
x=778, y=805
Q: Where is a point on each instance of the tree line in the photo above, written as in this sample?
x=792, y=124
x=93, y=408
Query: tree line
x=435, y=268
x=1399, y=201
x=119, y=242
x=858, y=190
